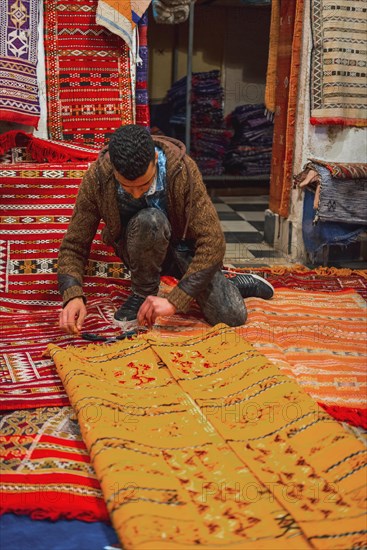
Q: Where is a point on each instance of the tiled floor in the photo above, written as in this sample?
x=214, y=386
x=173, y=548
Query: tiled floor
x=242, y=221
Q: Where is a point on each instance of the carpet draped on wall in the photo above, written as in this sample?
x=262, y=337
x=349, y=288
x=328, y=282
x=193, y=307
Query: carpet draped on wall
x=19, y=100
x=271, y=73
x=141, y=86
x=88, y=75
x=189, y=451
x=282, y=95
x=338, y=73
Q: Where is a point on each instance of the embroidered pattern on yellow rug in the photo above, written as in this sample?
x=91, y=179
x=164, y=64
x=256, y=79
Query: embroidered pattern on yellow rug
x=203, y=441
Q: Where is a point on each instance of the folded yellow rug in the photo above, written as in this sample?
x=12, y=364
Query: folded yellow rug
x=203, y=441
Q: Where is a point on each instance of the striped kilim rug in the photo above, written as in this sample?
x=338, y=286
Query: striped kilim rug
x=339, y=88
x=89, y=89
x=319, y=341
x=45, y=468
x=204, y=442
x=37, y=203
x=28, y=378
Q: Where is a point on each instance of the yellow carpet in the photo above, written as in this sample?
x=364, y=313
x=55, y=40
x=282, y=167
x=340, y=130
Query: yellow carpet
x=203, y=441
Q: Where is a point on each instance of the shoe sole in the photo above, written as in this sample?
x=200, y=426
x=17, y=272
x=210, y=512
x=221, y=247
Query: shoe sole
x=263, y=281
x=257, y=277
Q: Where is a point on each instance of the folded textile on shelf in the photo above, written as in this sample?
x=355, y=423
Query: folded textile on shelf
x=249, y=153
x=340, y=190
x=209, y=136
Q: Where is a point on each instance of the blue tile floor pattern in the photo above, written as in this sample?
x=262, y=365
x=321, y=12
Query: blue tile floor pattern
x=242, y=220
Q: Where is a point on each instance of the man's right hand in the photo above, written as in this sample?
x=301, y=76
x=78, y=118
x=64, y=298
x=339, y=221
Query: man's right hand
x=72, y=316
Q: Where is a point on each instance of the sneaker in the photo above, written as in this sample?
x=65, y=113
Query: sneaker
x=128, y=312
x=251, y=285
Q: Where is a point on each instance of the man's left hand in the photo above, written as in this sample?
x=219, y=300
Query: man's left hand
x=152, y=308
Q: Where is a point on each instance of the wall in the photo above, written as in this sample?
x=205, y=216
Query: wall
x=334, y=143
x=231, y=39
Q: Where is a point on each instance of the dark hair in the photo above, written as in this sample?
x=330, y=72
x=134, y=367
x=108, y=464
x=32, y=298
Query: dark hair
x=131, y=149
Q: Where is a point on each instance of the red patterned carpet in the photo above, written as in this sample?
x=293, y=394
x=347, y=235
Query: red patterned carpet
x=37, y=203
x=45, y=468
x=89, y=88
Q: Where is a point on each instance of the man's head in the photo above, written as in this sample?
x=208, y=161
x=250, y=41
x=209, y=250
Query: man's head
x=133, y=158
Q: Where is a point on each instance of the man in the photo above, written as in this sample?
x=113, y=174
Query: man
x=160, y=221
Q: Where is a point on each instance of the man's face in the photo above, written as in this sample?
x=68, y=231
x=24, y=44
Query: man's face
x=136, y=188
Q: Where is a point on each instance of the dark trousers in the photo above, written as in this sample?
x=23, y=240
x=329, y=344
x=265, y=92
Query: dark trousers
x=148, y=253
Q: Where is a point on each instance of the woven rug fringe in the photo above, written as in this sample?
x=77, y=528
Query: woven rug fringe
x=42, y=150
x=39, y=511
x=8, y=141
x=316, y=121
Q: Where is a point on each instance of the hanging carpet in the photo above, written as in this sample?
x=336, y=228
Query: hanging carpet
x=19, y=101
x=141, y=85
x=203, y=440
x=89, y=88
x=271, y=72
x=286, y=96
x=338, y=73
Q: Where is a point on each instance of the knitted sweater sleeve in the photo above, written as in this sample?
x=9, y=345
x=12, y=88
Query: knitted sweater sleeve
x=76, y=244
x=205, y=230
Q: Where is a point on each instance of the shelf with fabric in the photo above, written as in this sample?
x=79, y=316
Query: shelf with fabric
x=217, y=38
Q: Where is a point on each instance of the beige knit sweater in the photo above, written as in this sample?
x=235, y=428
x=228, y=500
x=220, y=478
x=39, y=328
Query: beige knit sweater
x=190, y=212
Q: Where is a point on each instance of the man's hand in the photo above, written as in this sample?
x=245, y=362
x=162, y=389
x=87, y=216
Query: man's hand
x=72, y=316
x=152, y=308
